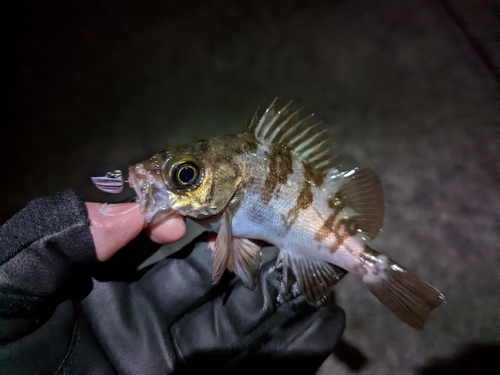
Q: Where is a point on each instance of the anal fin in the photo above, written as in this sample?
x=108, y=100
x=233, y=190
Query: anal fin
x=410, y=298
x=244, y=260
x=315, y=278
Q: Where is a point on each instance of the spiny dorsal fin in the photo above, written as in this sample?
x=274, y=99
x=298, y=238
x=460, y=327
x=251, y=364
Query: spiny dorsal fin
x=302, y=139
x=244, y=260
x=316, y=278
x=360, y=190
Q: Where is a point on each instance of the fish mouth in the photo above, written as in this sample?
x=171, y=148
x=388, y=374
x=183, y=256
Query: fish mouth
x=152, y=194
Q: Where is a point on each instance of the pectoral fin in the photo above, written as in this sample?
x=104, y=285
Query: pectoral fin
x=244, y=259
x=222, y=246
x=315, y=278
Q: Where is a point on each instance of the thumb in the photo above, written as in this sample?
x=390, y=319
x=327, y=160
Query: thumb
x=113, y=226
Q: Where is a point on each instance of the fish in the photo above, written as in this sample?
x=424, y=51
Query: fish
x=277, y=182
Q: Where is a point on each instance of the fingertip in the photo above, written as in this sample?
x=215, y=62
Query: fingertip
x=211, y=238
x=169, y=231
x=113, y=226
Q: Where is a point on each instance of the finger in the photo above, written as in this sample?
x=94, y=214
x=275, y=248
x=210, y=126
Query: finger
x=113, y=226
x=168, y=231
x=211, y=237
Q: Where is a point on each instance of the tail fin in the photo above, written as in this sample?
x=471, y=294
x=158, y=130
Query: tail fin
x=401, y=291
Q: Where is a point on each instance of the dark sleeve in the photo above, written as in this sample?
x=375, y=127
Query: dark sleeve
x=41, y=248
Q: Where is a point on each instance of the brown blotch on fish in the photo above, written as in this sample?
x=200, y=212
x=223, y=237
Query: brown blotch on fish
x=347, y=227
x=336, y=205
x=202, y=146
x=304, y=200
x=326, y=229
x=343, y=228
x=251, y=146
x=251, y=181
x=312, y=175
x=280, y=166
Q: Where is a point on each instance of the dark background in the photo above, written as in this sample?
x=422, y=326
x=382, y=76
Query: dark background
x=406, y=87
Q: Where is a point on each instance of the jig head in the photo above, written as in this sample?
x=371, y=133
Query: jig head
x=112, y=182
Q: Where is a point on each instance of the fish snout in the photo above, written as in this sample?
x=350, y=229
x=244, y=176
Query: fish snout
x=152, y=193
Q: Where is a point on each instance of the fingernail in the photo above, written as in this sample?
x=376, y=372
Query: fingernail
x=117, y=209
x=179, y=218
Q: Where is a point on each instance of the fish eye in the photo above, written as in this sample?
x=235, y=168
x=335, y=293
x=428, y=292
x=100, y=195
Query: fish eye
x=185, y=175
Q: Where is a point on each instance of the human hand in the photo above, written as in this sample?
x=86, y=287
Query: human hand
x=114, y=225
x=226, y=327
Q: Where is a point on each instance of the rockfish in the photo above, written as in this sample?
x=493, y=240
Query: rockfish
x=277, y=182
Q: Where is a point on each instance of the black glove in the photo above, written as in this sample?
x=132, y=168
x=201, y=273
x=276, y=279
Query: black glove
x=61, y=313
x=225, y=328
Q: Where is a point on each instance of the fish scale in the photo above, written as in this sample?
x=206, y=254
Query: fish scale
x=277, y=182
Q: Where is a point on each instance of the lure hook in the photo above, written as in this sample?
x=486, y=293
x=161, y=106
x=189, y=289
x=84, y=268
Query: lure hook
x=112, y=182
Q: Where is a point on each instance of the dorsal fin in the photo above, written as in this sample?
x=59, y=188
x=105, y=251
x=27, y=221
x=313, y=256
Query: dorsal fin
x=361, y=190
x=301, y=138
